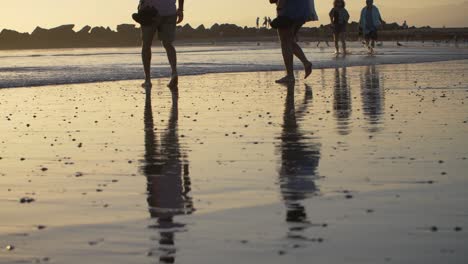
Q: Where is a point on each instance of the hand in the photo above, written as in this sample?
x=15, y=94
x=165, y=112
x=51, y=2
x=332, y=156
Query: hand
x=180, y=16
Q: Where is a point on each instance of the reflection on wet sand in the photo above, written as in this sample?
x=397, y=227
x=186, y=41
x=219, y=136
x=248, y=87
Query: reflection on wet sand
x=300, y=157
x=373, y=97
x=342, y=103
x=168, y=182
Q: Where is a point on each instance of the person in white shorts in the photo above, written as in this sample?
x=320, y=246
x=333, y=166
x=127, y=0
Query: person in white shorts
x=165, y=26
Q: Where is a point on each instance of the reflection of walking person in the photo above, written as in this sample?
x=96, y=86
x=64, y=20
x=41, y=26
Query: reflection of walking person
x=292, y=15
x=168, y=182
x=339, y=17
x=165, y=25
x=342, y=101
x=370, y=23
x=373, y=98
x=300, y=157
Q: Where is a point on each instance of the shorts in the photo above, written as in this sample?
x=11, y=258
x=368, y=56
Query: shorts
x=371, y=35
x=166, y=28
x=339, y=28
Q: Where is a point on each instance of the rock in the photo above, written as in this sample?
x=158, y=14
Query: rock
x=10, y=247
x=27, y=200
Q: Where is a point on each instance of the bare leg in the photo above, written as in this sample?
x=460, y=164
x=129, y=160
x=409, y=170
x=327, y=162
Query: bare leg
x=147, y=37
x=336, y=37
x=172, y=57
x=287, y=39
x=299, y=53
x=343, y=43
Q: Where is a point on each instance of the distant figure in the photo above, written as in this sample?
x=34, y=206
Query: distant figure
x=342, y=102
x=269, y=21
x=322, y=36
x=165, y=25
x=265, y=22
x=405, y=25
x=258, y=22
x=291, y=16
x=320, y=42
x=339, y=17
x=370, y=23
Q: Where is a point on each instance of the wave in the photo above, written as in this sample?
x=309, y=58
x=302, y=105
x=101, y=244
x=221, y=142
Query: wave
x=87, y=67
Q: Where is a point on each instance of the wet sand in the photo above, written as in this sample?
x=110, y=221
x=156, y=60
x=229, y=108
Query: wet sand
x=355, y=165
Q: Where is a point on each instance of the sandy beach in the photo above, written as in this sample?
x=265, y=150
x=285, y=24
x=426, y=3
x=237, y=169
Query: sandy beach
x=355, y=165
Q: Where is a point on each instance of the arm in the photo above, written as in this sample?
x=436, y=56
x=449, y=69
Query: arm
x=347, y=16
x=380, y=16
x=331, y=15
x=180, y=12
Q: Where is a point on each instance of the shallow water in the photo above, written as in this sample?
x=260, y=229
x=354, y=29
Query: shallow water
x=355, y=165
x=65, y=66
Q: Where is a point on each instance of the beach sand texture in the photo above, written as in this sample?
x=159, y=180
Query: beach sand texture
x=356, y=165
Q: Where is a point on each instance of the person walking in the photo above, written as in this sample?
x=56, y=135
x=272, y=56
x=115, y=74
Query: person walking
x=265, y=22
x=339, y=17
x=370, y=22
x=292, y=15
x=165, y=16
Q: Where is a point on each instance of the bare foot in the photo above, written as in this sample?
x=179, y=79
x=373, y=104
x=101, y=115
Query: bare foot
x=308, y=70
x=174, y=81
x=286, y=80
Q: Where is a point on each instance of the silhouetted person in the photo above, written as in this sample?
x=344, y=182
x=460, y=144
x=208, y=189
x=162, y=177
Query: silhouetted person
x=265, y=22
x=339, y=18
x=342, y=103
x=165, y=26
x=292, y=15
x=299, y=159
x=258, y=22
x=269, y=21
x=372, y=94
x=405, y=25
x=168, y=182
x=370, y=22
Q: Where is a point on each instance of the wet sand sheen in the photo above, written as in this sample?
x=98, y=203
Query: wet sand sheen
x=357, y=165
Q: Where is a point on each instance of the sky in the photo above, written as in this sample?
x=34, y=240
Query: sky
x=25, y=15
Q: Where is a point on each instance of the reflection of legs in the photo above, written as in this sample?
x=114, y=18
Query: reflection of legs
x=147, y=37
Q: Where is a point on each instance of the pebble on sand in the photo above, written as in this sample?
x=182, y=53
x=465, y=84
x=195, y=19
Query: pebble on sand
x=27, y=200
x=10, y=248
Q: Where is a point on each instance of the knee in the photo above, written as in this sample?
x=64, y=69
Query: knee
x=146, y=46
x=167, y=45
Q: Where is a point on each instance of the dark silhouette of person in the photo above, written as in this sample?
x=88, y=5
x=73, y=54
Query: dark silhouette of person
x=342, y=101
x=168, y=181
x=300, y=157
x=373, y=97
